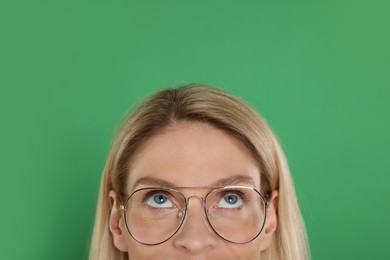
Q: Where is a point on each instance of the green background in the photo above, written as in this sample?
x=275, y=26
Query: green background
x=318, y=71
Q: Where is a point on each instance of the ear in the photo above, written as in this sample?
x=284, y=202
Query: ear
x=116, y=224
x=271, y=222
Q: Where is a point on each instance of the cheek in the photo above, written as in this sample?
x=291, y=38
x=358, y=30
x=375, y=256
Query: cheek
x=139, y=251
x=223, y=250
x=250, y=251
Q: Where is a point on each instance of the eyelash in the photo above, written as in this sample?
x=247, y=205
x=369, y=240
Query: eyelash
x=235, y=192
x=221, y=195
x=154, y=192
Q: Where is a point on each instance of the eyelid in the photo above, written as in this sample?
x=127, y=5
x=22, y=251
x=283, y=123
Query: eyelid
x=152, y=192
x=172, y=198
x=177, y=188
x=235, y=180
x=168, y=190
x=231, y=190
x=239, y=193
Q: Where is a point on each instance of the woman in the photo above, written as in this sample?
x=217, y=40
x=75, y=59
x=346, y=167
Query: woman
x=195, y=173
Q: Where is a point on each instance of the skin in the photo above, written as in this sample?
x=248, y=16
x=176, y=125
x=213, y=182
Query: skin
x=187, y=155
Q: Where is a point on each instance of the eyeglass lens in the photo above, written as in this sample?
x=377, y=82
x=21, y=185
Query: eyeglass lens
x=237, y=214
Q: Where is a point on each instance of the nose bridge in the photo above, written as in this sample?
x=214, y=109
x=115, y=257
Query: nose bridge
x=195, y=208
x=201, y=200
x=195, y=235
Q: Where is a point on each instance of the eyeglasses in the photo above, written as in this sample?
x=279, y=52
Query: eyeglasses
x=236, y=213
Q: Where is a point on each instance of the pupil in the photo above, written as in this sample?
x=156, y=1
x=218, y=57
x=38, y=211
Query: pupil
x=231, y=199
x=160, y=199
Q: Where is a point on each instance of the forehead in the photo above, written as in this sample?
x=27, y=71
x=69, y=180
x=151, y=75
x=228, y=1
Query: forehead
x=193, y=154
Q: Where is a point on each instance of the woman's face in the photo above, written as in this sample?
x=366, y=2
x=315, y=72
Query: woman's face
x=188, y=155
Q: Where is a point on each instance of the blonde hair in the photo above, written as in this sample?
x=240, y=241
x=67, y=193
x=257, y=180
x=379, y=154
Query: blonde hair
x=220, y=109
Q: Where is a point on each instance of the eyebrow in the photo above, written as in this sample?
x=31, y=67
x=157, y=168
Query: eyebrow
x=151, y=181
x=156, y=182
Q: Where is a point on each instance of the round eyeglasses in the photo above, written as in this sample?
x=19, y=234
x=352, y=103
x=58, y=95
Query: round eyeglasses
x=236, y=213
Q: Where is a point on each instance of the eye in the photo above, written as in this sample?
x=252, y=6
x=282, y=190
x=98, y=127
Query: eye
x=230, y=201
x=159, y=200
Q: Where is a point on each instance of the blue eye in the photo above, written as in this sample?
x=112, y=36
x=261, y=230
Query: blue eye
x=159, y=201
x=230, y=201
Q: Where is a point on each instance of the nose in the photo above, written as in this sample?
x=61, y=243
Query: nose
x=195, y=236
